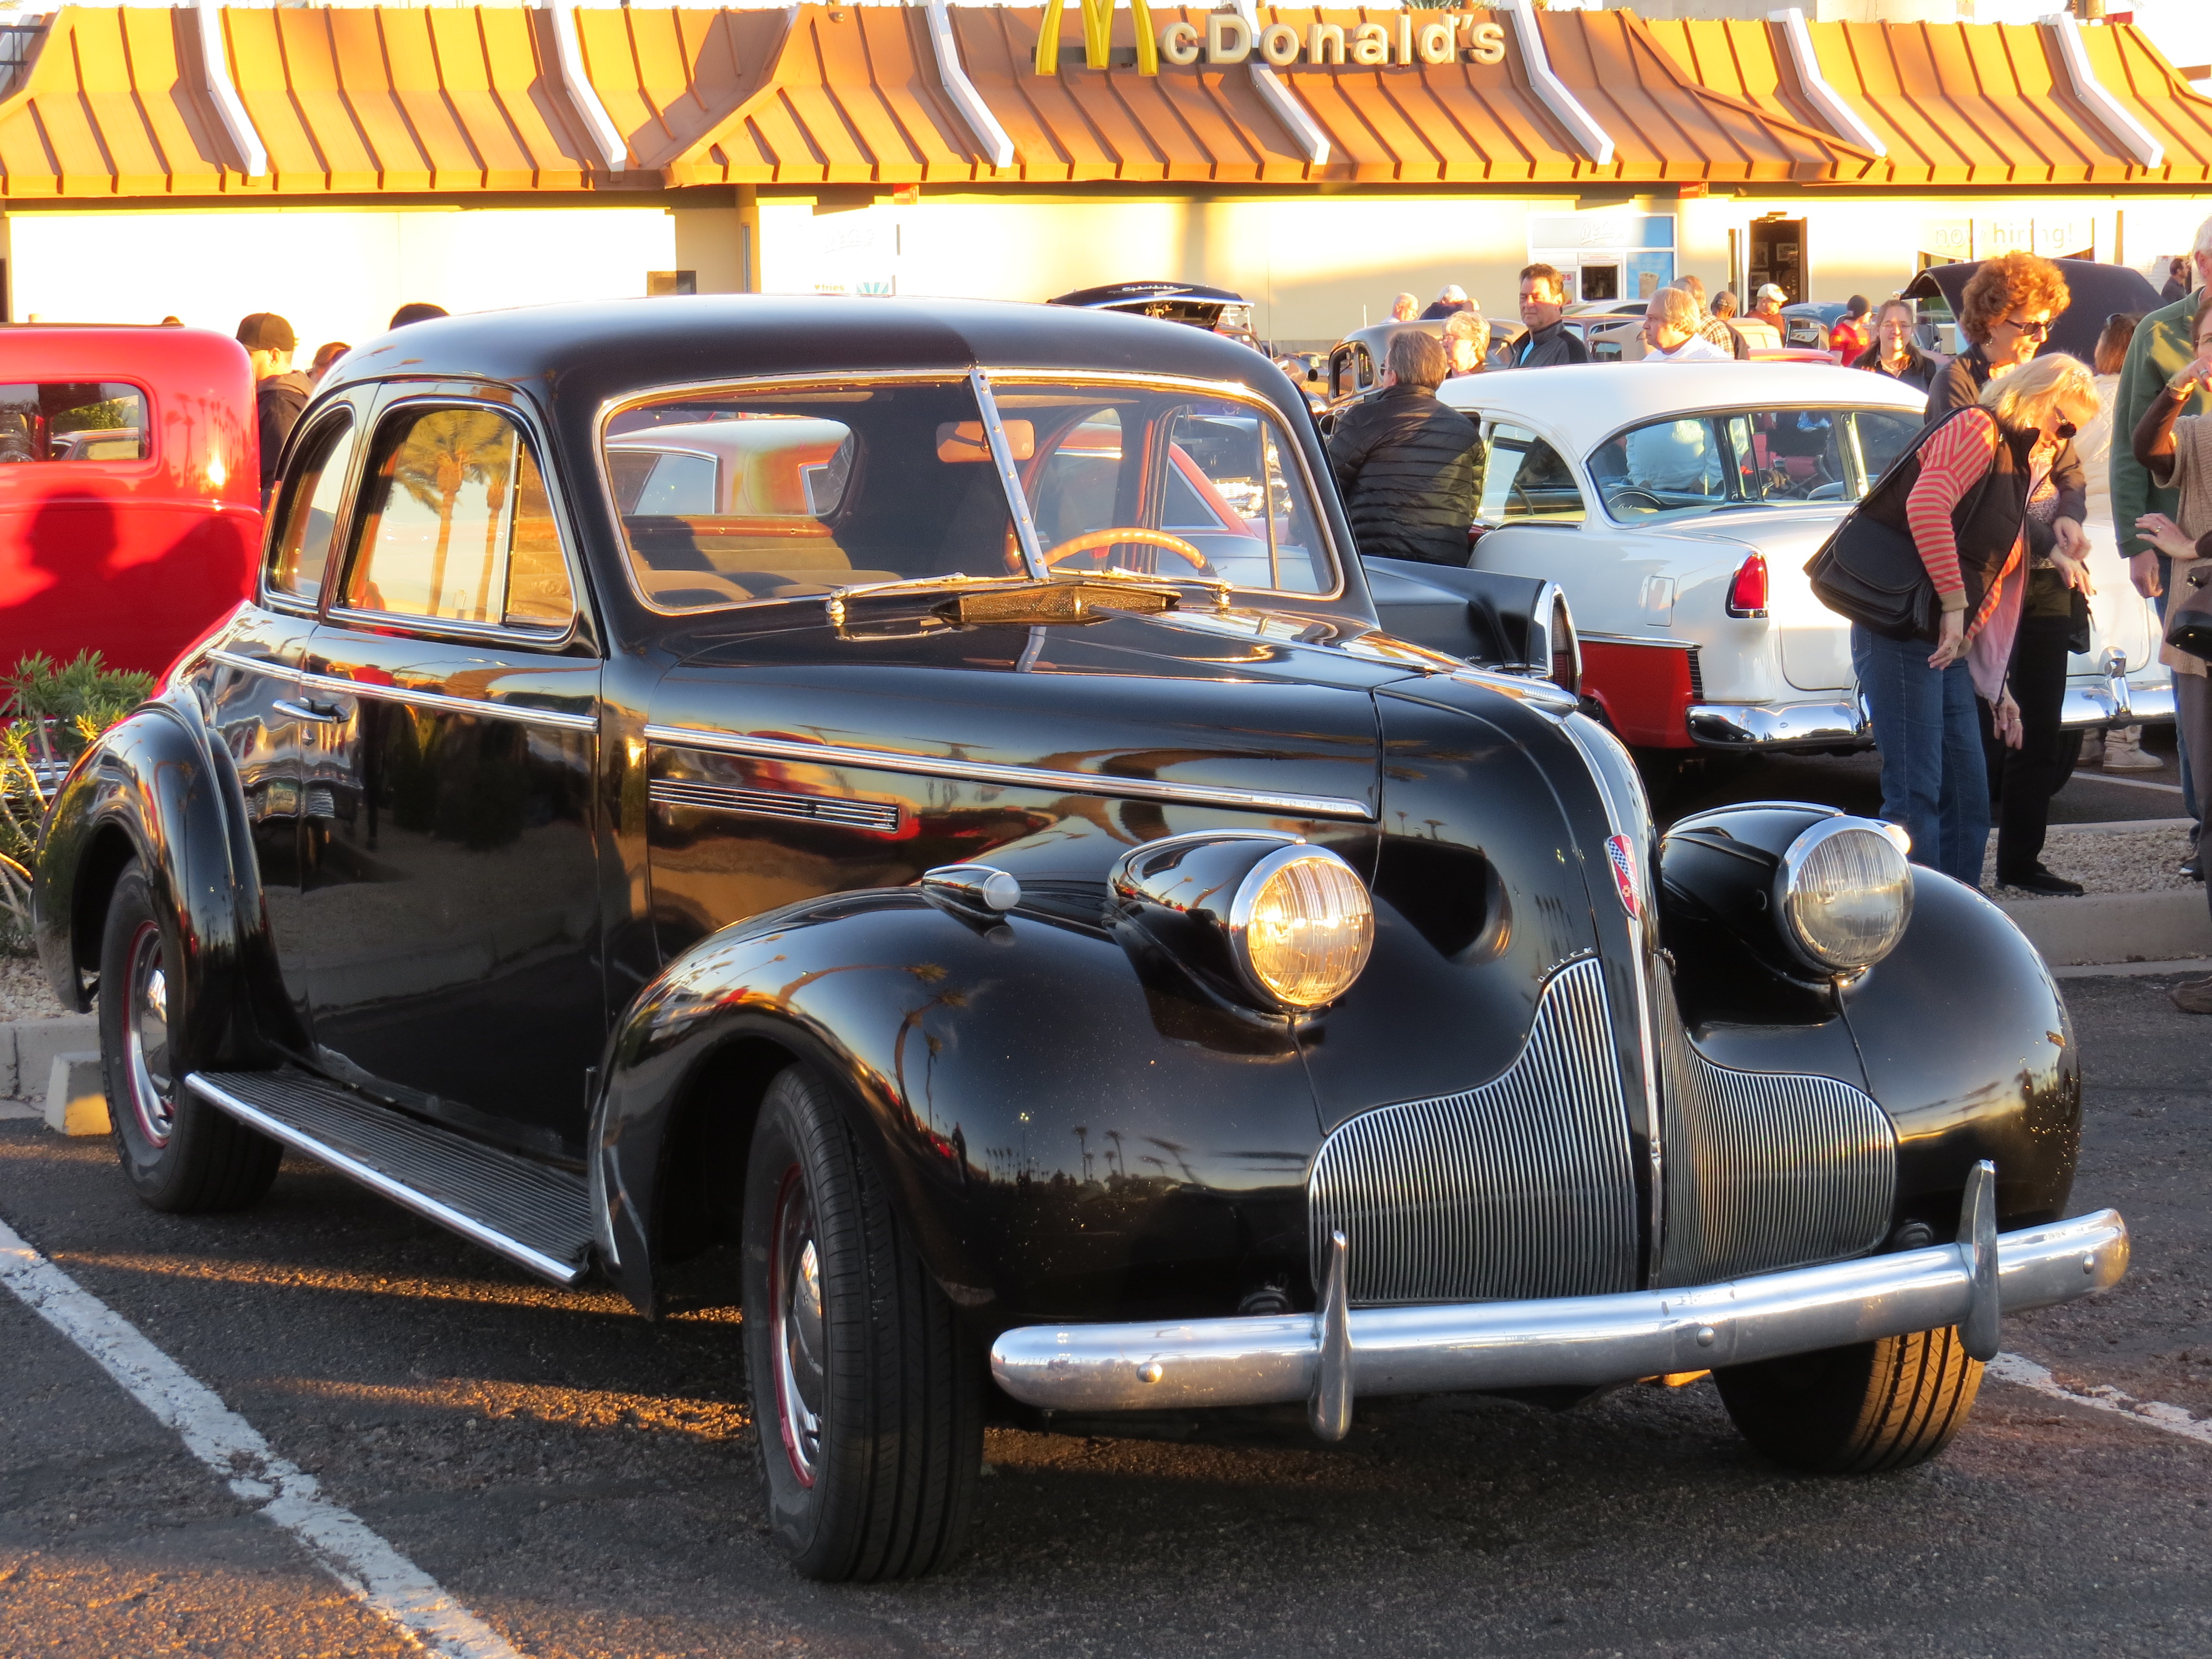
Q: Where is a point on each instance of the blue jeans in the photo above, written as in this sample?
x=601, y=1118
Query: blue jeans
x=1935, y=778
x=2180, y=747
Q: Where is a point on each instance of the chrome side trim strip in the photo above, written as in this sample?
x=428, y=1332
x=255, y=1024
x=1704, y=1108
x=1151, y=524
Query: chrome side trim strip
x=561, y=1272
x=1014, y=777
x=882, y=816
x=253, y=665
x=508, y=711
x=1584, y=1341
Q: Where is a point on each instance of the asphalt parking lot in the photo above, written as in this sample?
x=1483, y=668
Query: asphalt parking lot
x=582, y=1481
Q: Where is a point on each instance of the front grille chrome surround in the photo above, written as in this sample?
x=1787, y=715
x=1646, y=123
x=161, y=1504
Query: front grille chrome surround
x=1766, y=1170
x=1523, y=1187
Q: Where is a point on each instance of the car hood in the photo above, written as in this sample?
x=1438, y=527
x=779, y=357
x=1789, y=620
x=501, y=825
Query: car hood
x=1247, y=701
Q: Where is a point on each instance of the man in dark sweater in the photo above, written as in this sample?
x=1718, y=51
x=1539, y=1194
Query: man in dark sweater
x=1408, y=465
x=279, y=392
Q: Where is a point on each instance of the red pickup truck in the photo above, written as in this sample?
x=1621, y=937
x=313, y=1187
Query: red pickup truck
x=130, y=497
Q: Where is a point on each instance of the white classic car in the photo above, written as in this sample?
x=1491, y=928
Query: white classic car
x=1676, y=505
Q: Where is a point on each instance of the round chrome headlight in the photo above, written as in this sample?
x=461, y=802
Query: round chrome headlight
x=1844, y=894
x=1302, y=926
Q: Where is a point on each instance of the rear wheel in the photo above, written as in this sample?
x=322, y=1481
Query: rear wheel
x=867, y=1400
x=180, y=1153
x=1875, y=1406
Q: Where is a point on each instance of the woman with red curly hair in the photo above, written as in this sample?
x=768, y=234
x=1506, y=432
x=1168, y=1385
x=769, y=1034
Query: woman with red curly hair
x=2006, y=312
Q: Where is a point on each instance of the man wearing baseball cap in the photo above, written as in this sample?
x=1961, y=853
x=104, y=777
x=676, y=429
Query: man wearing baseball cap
x=1766, y=305
x=279, y=393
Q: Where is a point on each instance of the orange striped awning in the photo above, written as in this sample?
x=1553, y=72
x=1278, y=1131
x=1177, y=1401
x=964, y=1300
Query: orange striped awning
x=119, y=102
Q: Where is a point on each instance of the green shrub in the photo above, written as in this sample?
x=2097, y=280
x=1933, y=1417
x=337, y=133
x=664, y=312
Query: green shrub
x=53, y=713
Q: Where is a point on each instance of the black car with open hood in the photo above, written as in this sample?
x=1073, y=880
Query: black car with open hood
x=913, y=817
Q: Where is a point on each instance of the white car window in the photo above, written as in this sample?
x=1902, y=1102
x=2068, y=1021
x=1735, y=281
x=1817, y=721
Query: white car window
x=1526, y=481
x=1683, y=465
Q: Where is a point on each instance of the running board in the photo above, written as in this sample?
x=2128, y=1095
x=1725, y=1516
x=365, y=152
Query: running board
x=535, y=1216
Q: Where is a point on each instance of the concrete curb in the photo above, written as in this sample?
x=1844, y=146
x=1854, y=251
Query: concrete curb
x=28, y=1048
x=2115, y=928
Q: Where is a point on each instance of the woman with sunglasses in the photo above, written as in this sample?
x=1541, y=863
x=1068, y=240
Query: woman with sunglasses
x=2006, y=312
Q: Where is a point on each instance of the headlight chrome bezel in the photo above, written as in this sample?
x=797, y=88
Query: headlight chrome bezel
x=1789, y=886
x=1244, y=908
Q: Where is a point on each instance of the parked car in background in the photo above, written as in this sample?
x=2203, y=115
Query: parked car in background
x=130, y=491
x=1806, y=325
x=985, y=859
x=1356, y=361
x=1677, y=510
x=1216, y=310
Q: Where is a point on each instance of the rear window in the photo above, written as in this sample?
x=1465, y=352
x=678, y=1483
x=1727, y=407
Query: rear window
x=72, y=421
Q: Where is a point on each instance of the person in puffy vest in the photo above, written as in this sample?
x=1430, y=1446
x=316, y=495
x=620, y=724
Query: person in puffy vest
x=1409, y=465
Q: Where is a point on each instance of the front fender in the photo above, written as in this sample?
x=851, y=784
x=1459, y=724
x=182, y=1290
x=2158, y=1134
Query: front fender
x=153, y=787
x=1068, y=1124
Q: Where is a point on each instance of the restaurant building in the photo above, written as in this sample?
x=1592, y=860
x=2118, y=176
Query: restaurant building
x=328, y=162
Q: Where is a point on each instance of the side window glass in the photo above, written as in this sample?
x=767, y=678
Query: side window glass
x=300, y=554
x=457, y=527
x=1666, y=466
x=73, y=421
x=1524, y=479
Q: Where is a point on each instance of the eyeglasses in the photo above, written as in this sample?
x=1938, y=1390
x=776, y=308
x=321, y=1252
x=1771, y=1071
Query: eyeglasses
x=2033, y=331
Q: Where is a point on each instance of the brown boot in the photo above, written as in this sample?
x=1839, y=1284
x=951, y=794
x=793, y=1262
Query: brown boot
x=2193, y=996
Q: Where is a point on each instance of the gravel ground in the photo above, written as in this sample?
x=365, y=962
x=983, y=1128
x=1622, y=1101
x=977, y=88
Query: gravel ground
x=24, y=993
x=2108, y=861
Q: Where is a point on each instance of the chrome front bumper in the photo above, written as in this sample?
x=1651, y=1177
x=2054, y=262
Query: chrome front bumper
x=1833, y=724
x=1330, y=1357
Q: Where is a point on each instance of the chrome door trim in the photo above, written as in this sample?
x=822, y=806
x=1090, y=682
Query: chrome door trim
x=561, y=1272
x=527, y=715
x=1017, y=777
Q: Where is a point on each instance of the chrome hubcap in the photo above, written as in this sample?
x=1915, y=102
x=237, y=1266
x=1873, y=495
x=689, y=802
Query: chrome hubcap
x=146, y=1037
x=795, y=1279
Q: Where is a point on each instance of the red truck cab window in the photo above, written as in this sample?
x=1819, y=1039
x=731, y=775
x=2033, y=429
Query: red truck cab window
x=73, y=421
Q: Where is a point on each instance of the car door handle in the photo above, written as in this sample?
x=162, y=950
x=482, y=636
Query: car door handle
x=320, y=713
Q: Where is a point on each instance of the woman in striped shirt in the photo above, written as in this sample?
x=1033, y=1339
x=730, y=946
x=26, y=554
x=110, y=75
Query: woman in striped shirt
x=1974, y=541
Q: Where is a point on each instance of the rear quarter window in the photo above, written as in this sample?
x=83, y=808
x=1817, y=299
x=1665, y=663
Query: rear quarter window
x=73, y=421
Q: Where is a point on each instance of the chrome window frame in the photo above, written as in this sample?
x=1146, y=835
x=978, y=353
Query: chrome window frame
x=980, y=381
x=381, y=415
x=266, y=594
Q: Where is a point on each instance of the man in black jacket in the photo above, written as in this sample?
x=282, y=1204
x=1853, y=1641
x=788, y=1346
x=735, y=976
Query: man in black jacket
x=1548, y=342
x=1408, y=465
x=279, y=392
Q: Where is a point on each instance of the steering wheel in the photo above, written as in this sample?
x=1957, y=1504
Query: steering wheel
x=1619, y=498
x=1091, y=540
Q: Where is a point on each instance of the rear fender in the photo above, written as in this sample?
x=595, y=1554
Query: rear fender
x=1064, y=1125
x=153, y=787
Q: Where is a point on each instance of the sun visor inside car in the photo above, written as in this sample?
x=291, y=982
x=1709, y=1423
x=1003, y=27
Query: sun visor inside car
x=963, y=440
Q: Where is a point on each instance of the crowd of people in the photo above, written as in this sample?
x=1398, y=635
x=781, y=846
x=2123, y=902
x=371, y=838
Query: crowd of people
x=280, y=391
x=2020, y=448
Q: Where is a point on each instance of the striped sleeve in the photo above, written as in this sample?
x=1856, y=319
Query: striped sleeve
x=1951, y=462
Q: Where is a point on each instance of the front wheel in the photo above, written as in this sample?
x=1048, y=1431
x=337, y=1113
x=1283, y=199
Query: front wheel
x=1860, y=1410
x=180, y=1153
x=866, y=1402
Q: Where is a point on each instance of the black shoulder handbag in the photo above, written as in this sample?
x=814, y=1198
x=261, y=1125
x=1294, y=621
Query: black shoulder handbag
x=2188, y=617
x=1871, y=572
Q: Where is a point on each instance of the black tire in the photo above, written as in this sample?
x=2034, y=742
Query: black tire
x=1860, y=1410
x=180, y=1153
x=878, y=1482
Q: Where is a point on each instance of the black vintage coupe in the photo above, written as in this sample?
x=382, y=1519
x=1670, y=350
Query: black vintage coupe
x=926, y=794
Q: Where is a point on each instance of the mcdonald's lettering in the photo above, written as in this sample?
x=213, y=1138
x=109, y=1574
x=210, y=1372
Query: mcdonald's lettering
x=1227, y=38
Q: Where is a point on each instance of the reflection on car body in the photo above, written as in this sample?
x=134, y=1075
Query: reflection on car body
x=966, y=866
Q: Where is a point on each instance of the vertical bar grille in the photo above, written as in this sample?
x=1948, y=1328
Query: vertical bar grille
x=1522, y=1188
x=1766, y=1170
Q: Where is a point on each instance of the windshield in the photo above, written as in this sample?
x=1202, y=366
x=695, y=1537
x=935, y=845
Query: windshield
x=1687, y=466
x=728, y=498
x=1165, y=482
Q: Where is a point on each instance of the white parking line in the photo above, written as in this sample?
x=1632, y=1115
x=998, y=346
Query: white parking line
x=385, y=1581
x=2013, y=1368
